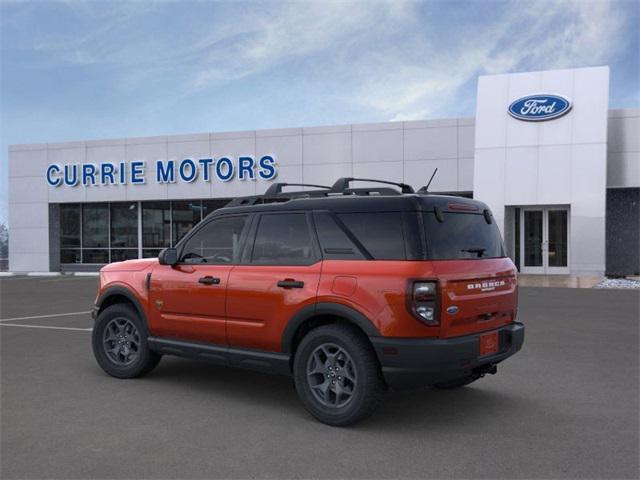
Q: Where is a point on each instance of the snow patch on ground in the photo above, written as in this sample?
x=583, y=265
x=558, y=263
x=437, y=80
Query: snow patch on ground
x=618, y=283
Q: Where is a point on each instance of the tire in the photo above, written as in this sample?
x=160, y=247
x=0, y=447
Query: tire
x=119, y=341
x=357, y=389
x=457, y=383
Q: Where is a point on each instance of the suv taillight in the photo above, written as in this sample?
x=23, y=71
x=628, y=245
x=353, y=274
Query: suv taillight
x=424, y=302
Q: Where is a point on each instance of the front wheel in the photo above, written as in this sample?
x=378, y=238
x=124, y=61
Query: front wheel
x=337, y=375
x=119, y=341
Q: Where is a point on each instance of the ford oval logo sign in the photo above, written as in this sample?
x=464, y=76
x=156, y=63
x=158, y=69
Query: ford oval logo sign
x=536, y=108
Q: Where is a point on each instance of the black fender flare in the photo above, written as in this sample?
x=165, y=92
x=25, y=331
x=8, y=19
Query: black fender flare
x=124, y=292
x=325, y=308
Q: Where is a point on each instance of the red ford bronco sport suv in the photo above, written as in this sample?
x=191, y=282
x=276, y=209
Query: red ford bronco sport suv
x=348, y=290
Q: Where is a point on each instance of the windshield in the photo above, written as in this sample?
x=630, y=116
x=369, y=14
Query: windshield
x=461, y=236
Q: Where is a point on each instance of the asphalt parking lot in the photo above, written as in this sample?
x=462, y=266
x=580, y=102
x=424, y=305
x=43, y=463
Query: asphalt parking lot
x=566, y=406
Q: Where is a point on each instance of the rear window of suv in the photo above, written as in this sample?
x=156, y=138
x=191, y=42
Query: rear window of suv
x=461, y=236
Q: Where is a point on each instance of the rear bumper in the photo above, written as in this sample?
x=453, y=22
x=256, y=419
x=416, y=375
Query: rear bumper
x=411, y=363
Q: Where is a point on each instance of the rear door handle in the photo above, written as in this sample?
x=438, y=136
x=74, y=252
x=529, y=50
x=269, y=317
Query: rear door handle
x=208, y=280
x=290, y=283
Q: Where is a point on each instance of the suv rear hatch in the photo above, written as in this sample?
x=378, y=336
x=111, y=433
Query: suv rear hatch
x=477, y=282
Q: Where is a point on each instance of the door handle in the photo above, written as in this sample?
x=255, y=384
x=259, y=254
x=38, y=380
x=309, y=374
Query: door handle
x=290, y=283
x=208, y=280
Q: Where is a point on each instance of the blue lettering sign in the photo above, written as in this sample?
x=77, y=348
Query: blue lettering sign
x=137, y=172
x=267, y=168
x=165, y=173
x=51, y=180
x=188, y=174
x=224, y=169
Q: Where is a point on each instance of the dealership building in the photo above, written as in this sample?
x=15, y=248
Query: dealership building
x=558, y=168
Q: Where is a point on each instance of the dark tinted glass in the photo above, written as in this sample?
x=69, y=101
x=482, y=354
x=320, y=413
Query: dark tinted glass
x=217, y=242
x=124, y=225
x=156, y=225
x=69, y=226
x=461, y=235
x=558, y=241
x=209, y=206
x=95, y=256
x=283, y=240
x=380, y=233
x=334, y=241
x=185, y=216
x=95, y=226
x=70, y=255
x=119, y=255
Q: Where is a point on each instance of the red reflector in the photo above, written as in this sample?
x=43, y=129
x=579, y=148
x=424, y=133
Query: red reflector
x=463, y=207
x=489, y=343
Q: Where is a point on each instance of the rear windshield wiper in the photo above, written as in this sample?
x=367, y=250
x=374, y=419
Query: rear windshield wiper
x=479, y=250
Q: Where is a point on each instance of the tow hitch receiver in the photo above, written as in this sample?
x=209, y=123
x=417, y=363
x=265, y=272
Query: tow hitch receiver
x=488, y=369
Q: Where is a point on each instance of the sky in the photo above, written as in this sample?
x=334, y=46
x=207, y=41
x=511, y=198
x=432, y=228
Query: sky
x=74, y=70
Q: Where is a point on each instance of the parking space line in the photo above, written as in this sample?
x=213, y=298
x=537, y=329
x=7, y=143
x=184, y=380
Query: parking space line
x=35, y=317
x=46, y=326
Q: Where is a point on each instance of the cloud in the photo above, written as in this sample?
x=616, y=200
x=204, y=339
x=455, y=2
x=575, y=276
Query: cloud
x=534, y=36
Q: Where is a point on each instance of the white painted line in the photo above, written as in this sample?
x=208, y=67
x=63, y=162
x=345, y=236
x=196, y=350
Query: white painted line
x=45, y=326
x=43, y=274
x=34, y=317
x=7, y=274
x=86, y=274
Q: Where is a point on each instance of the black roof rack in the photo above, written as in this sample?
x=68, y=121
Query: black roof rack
x=341, y=187
x=342, y=184
x=276, y=188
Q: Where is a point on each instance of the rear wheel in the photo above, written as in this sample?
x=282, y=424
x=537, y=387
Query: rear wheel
x=337, y=375
x=119, y=343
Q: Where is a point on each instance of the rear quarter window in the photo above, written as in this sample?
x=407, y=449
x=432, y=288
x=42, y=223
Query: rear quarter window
x=381, y=234
x=461, y=236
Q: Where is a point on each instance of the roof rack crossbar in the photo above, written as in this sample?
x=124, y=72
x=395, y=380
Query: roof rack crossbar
x=342, y=184
x=276, y=188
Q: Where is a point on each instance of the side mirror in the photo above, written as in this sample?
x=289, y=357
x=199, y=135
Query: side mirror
x=168, y=256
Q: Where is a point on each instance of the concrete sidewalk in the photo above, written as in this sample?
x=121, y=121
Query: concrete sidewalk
x=558, y=281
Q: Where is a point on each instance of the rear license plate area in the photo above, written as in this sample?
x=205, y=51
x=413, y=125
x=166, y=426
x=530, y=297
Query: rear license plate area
x=489, y=344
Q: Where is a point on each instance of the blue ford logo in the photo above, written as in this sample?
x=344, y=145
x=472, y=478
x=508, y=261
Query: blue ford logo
x=452, y=310
x=535, y=108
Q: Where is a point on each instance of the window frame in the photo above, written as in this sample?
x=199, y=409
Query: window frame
x=202, y=224
x=247, y=253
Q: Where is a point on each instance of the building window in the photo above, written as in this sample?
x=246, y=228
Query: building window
x=95, y=233
x=70, y=240
x=184, y=216
x=108, y=232
x=156, y=227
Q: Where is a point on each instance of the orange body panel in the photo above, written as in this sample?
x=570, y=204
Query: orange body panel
x=258, y=310
x=248, y=309
x=181, y=307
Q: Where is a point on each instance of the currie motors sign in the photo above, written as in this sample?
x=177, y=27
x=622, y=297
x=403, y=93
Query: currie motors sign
x=187, y=170
x=536, y=108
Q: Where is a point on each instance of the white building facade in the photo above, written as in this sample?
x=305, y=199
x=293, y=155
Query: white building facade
x=559, y=170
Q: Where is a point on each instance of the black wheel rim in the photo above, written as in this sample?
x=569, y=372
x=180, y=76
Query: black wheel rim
x=121, y=341
x=331, y=375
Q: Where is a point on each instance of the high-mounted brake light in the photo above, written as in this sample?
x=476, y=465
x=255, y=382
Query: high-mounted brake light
x=424, y=296
x=462, y=207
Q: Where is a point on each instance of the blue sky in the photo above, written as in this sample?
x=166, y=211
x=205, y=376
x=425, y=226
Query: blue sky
x=83, y=70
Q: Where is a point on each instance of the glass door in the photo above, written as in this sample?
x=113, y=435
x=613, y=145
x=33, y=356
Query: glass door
x=544, y=240
x=557, y=241
x=533, y=239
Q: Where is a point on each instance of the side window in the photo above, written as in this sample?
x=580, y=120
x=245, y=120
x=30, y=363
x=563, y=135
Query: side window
x=380, y=233
x=334, y=242
x=216, y=243
x=283, y=239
